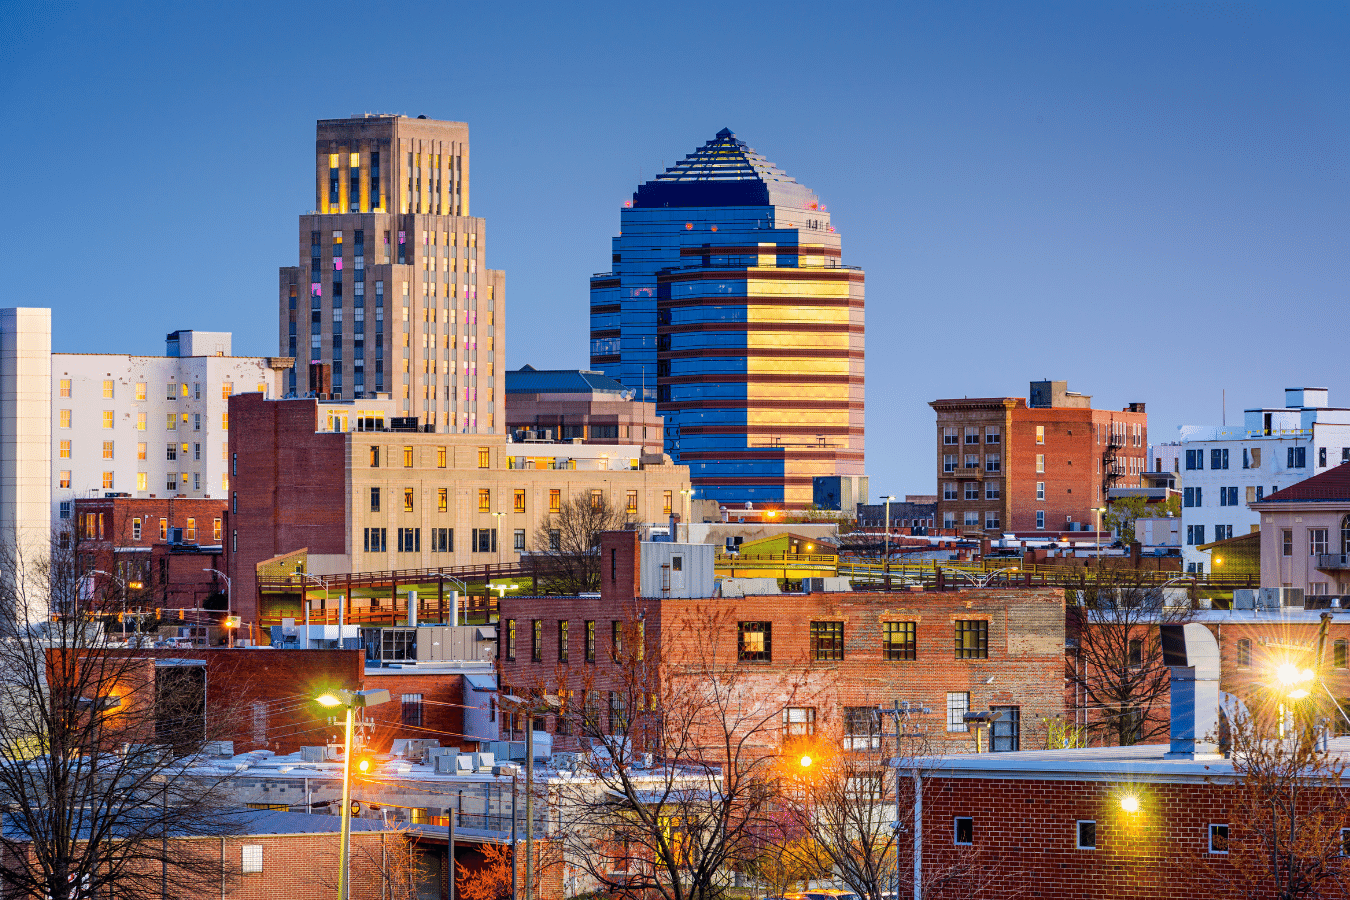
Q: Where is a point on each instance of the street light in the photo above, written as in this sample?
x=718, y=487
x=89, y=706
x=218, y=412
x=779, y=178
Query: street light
x=500, y=539
x=886, y=556
x=229, y=610
x=350, y=700
x=1099, y=510
x=324, y=584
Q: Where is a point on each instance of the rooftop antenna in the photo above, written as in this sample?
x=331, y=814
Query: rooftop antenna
x=1224, y=401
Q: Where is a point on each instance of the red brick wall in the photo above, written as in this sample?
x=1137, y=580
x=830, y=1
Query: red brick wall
x=1025, y=837
x=442, y=710
x=290, y=484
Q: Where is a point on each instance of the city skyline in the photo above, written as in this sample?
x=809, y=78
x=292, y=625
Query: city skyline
x=1035, y=192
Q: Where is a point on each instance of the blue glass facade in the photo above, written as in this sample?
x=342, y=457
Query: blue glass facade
x=727, y=305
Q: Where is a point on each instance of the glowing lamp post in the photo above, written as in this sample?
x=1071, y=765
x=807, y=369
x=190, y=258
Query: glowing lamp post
x=350, y=701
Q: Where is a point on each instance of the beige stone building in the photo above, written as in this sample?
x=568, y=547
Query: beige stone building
x=392, y=288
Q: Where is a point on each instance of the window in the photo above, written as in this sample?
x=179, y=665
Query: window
x=665, y=502
x=827, y=640
x=1228, y=496
x=518, y=540
x=407, y=500
x=1340, y=654
x=483, y=540
x=991, y=490
x=992, y=434
x=140, y=421
x=411, y=710
x=64, y=509
x=484, y=458
x=142, y=481
x=949, y=490
x=171, y=422
x=972, y=639
x=1087, y=835
x=972, y=434
x=1295, y=458
x=799, y=721
x=1040, y=494
x=1195, y=534
x=1244, y=653
x=442, y=499
x=440, y=457
x=107, y=481
x=374, y=457
x=519, y=505
x=1006, y=731
x=948, y=432
x=65, y=450
x=590, y=640
x=215, y=530
x=1040, y=463
x=1218, y=839
x=1321, y=457
x=107, y=418
x=630, y=505
x=136, y=529
x=251, y=861
x=63, y=479
x=374, y=499
x=972, y=490
x=191, y=529
x=1218, y=459
x=562, y=640
x=971, y=461
x=1287, y=541
x=163, y=529
x=1317, y=541
x=1040, y=434
x=407, y=457
x=554, y=540
x=108, y=389
x=755, y=641
x=485, y=500
x=991, y=520
x=958, y=704
x=442, y=540
x=510, y=640
x=993, y=462
x=1135, y=652
x=1223, y=532
x=899, y=640
x=949, y=520
x=597, y=498
x=1195, y=459
x=949, y=462
x=963, y=831
x=65, y=387
x=410, y=540
x=1040, y=518
x=375, y=540
x=554, y=500
x=537, y=640
x=224, y=421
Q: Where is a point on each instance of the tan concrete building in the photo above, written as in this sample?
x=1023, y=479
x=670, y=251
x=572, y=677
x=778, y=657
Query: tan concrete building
x=334, y=479
x=392, y=288
x=576, y=404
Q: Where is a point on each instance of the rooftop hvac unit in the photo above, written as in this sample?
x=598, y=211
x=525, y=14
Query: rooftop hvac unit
x=483, y=762
x=447, y=763
x=313, y=754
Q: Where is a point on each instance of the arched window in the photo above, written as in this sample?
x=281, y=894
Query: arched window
x=1345, y=535
x=1339, y=654
x=1244, y=653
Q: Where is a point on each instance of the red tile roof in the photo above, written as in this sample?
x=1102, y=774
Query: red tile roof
x=1333, y=484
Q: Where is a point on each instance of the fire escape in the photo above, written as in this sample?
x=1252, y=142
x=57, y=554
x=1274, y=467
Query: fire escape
x=1113, y=467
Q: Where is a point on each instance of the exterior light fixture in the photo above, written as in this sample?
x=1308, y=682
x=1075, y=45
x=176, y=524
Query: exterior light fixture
x=806, y=762
x=1129, y=803
x=350, y=700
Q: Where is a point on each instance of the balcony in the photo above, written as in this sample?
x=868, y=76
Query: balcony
x=1333, y=561
x=966, y=473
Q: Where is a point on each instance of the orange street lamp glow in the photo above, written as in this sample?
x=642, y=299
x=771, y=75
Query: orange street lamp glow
x=328, y=700
x=806, y=762
x=1129, y=803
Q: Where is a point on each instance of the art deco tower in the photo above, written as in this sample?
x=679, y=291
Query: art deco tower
x=392, y=290
x=729, y=306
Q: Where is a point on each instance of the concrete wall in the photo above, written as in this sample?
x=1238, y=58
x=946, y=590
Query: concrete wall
x=25, y=431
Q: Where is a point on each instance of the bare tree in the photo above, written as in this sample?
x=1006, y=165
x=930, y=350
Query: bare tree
x=1288, y=810
x=1116, y=669
x=679, y=785
x=569, y=541
x=98, y=754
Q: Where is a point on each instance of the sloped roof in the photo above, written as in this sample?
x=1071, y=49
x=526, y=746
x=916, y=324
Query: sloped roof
x=1333, y=484
x=724, y=172
x=529, y=380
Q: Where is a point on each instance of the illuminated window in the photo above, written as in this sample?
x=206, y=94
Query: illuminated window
x=163, y=529
x=65, y=449
x=519, y=501
x=442, y=500
x=107, y=449
x=665, y=502
x=407, y=457
x=484, y=458
x=597, y=498
x=755, y=641
x=554, y=500
x=407, y=499
x=107, y=389
x=215, y=530
x=484, y=500
x=140, y=450
x=224, y=421
x=1040, y=463
x=899, y=640
x=183, y=390
x=142, y=481
x=136, y=529
x=65, y=387
x=107, y=418
x=107, y=481
x=1040, y=434
x=224, y=481
x=140, y=390
x=440, y=457
x=171, y=422
x=191, y=528
x=972, y=639
x=140, y=421
x=64, y=479
x=374, y=457
x=631, y=504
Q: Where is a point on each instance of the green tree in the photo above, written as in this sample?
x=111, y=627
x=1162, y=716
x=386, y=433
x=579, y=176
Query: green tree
x=1120, y=516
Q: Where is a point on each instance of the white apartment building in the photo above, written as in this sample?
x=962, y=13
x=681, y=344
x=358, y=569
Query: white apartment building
x=25, y=430
x=1224, y=468
x=148, y=426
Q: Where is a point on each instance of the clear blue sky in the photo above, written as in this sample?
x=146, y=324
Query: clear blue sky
x=1149, y=200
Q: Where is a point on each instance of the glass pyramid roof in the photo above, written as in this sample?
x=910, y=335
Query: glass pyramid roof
x=724, y=172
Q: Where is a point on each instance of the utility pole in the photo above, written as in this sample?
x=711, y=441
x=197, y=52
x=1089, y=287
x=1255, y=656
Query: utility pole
x=529, y=803
x=514, y=796
x=901, y=710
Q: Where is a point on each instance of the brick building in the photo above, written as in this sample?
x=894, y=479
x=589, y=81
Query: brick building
x=953, y=652
x=1006, y=464
x=362, y=497
x=150, y=553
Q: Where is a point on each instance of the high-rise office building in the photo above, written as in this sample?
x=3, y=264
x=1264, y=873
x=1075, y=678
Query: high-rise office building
x=391, y=295
x=728, y=305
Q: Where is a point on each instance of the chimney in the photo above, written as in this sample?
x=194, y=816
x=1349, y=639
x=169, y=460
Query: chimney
x=412, y=609
x=1192, y=655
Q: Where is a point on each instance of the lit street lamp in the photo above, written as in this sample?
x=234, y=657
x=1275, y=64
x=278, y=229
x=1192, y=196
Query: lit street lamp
x=350, y=701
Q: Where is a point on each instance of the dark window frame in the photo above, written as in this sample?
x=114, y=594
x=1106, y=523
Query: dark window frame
x=966, y=629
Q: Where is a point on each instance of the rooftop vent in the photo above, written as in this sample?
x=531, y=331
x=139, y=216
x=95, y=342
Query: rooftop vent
x=1192, y=655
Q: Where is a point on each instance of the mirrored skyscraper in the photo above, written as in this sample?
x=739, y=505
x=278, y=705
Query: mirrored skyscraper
x=728, y=303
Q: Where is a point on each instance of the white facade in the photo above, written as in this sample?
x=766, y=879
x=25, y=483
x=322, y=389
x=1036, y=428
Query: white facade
x=1224, y=468
x=130, y=424
x=25, y=430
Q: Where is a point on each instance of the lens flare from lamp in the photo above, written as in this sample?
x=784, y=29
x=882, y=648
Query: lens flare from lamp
x=1288, y=673
x=806, y=762
x=328, y=700
x=1298, y=694
x=363, y=765
x=1129, y=803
